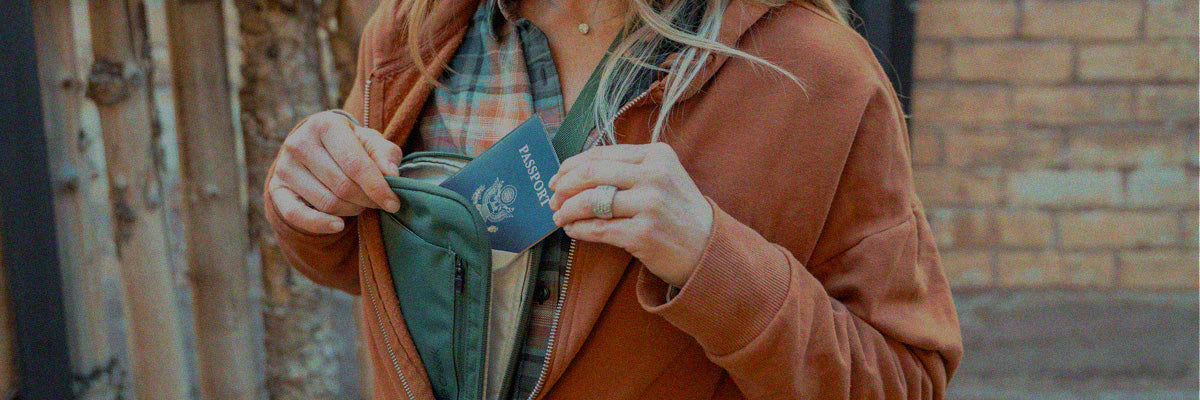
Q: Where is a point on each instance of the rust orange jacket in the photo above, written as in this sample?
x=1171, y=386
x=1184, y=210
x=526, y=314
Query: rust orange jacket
x=820, y=279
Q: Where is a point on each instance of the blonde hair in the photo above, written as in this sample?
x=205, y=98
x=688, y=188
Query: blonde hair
x=650, y=26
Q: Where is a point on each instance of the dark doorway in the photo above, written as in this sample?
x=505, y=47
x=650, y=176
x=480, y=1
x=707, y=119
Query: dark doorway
x=888, y=27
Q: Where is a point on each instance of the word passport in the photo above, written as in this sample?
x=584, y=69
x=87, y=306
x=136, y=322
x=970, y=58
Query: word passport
x=507, y=184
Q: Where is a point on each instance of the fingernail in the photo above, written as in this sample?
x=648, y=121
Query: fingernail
x=553, y=182
x=391, y=206
x=337, y=226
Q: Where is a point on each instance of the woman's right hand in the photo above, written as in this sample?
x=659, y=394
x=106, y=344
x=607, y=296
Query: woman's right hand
x=330, y=168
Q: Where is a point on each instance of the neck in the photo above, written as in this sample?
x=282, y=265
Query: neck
x=591, y=9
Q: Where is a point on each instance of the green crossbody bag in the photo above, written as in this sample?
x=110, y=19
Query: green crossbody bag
x=465, y=305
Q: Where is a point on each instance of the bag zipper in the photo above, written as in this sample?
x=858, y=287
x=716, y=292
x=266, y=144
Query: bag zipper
x=387, y=340
x=460, y=271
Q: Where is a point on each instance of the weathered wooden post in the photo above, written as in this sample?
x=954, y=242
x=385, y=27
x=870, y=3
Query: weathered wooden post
x=215, y=214
x=119, y=84
x=91, y=277
x=281, y=52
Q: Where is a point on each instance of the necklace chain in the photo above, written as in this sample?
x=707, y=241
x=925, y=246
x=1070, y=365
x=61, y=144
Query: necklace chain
x=584, y=27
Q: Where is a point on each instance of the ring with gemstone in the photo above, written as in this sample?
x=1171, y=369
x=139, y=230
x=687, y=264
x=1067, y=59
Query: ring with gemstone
x=602, y=201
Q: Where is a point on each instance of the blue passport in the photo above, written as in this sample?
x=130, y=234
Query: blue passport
x=508, y=185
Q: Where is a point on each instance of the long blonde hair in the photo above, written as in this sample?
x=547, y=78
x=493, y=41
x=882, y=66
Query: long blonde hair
x=650, y=26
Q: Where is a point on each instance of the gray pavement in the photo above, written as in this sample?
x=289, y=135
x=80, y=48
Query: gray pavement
x=1072, y=344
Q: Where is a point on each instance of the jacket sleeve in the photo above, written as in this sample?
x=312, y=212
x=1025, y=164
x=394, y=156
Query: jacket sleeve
x=330, y=260
x=872, y=317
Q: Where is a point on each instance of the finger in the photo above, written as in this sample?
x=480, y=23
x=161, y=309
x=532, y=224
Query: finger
x=616, y=232
x=355, y=163
x=630, y=153
x=338, y=117
x=579, y=207
x=627, y=153
x=310, y=189
x=322, y=166
x=303, y=217
x=600, y=172
x=387, y=155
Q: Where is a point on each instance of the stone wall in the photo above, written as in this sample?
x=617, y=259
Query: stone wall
x=1054, y=142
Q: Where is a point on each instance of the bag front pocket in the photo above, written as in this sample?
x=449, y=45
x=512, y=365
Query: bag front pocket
x=439, y=259
x=424, y=275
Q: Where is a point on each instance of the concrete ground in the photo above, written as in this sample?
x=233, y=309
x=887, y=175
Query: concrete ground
x=1059, y=344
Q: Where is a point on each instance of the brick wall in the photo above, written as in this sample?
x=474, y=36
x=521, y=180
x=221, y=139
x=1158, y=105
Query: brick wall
x=1054, y=142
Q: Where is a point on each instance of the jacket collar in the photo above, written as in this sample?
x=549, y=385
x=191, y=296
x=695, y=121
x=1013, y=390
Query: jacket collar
x=445, y=26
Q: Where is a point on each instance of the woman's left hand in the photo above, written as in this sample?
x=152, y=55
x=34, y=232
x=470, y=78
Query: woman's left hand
x=658, y=214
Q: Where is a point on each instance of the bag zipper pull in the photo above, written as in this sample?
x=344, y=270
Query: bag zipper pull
x=459, y=274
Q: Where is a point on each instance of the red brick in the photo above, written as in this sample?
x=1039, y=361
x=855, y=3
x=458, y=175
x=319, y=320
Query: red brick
x=1159, y=269
x=1151, y=187
x=945, y=186
x=1081, y=19
x=1011, y=62
x=926, y=146
x=966, y=19
x=1138, y=62
x=967, y=268
x=1122, y=148
x=983, y=146
x=1171, y=19
x=1127, y=229
x=1050, y=268
x=1168, y=104
x=1064, y=188
x=1025, y=228
x=979, y=150
x=1070, y=105
x=942, y=103
x=962, y=227
x=929, y=60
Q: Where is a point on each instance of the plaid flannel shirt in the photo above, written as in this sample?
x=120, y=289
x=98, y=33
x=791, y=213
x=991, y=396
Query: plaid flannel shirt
x=501, y=75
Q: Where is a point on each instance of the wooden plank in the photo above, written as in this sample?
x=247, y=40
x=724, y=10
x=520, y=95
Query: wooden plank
x=95, y=331
x=119, y=85
x=26, y=197
x=215, y=218
x=283, y=84
x=9, y=374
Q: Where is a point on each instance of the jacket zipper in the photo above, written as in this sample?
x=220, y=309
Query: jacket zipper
x=387, y=340
x=562, y=292
x=562, y=298
x=628, y=105
x=372, y=292
x=367, y=103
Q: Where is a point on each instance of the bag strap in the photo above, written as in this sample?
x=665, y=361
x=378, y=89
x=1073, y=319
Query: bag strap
x=581, y=118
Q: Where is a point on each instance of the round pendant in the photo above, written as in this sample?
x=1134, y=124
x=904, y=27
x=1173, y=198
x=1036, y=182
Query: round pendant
x=584, y=28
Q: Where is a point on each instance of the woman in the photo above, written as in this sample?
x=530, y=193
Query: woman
x=763, y=241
